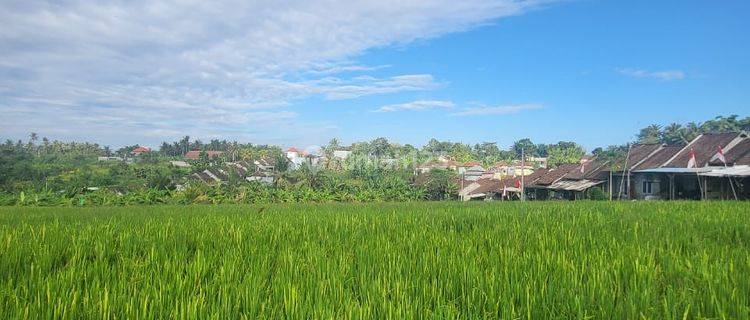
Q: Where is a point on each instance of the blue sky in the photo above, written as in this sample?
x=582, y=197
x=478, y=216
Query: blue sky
x=292, y=74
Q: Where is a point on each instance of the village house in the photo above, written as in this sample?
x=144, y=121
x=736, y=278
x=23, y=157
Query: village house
x=262, y=177
x=296, y=158
x=196, y=154
x=140, y=150
x=241, y=168
x=211, y=176
x=539, y=187
x=265, y=164
x=439, y=163
x=341, y=154
x=179, y=164
x=537, y=162
x=490, y=188
x=662, y=171
x=292, y=152
x=504, y=169
x=471, y=170
x=110, y=159
x=591, y=173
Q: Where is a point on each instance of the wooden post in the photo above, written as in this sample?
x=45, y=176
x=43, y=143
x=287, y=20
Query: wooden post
x=610, y=184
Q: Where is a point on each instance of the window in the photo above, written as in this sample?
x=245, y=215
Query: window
x=647, y=187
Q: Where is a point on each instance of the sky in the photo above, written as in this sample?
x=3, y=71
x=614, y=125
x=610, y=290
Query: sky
x=298, y=73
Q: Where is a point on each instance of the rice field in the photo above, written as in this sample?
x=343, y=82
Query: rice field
x=600, y=260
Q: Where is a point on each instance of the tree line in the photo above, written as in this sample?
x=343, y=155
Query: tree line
x=40, y=170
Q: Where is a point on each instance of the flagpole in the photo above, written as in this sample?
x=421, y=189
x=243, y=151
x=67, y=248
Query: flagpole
x=693, y=164
x=624, y=170
x=700, y=185
x=723, y=159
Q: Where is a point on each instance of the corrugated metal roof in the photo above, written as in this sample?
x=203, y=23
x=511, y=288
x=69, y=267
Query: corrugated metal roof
x=738, y=171
x=674, y=170
x=574, y=185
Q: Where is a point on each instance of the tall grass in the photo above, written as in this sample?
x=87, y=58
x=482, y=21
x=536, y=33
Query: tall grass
x=389, y=261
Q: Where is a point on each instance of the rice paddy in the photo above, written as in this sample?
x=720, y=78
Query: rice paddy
x=579, y=260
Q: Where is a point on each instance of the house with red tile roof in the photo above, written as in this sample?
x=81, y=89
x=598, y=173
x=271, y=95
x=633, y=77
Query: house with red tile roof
x=140, y=150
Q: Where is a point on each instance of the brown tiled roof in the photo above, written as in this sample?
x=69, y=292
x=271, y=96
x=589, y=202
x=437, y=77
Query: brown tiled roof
x=216, y=172
x=738, y=155
x=592, y=168
x=203, y=177
x=487, y=185
x=556, y=174
x=532, y=178
x=640, y=152
x=743, y=160
x=195, y=154
x=599, y=171
x=266, y=161
x=705, y=147
x=659, y=158
x=237, y=169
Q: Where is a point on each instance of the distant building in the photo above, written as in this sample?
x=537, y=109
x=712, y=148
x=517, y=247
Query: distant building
x=471, y=173
x=440, y=163
x=265, y=164
x=539, y=162
x=196, y=154
x=179, y=164
x=664, y=174
x=110, y=159
x=262, y=177
x=292, y=153
x=341, y=154
x=140, y=150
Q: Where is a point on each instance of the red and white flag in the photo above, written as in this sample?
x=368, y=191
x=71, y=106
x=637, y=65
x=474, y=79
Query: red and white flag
x=720, y=155
x=518, y=183
x=692, y=163
x=583, y=167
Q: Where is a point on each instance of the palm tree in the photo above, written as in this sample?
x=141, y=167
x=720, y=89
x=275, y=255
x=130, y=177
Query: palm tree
x=33, y=137
x=650, y=134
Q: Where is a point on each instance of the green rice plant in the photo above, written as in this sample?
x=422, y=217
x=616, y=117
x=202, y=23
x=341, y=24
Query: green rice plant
x=603, y=260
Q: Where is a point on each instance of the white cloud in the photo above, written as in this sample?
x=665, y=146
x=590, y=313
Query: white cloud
x=206, y=67
x=417, y=105
x=499, y=110
x=666, y=75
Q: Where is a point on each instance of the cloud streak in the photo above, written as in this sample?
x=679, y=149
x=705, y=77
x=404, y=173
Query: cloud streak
x=498, y=110
x=666, y=75
x=207, y=67
x=416, y=106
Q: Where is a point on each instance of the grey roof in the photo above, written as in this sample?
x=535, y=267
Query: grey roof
x=738, y=171
x=674, y=170
x=574, y=185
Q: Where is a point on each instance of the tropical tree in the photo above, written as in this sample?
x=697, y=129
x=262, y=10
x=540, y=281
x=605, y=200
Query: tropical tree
x=650, y=135
x=528, y=147
x=564, y=152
